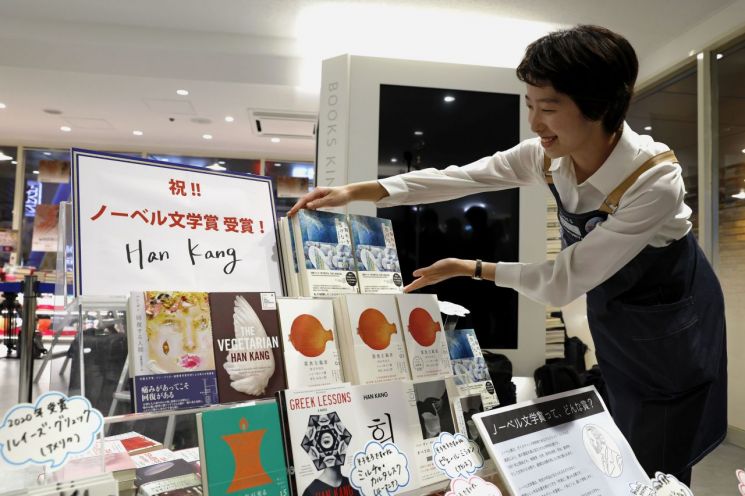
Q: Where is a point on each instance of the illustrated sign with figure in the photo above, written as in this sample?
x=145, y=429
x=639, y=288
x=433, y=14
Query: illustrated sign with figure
x=565, y=444
x=141, y=224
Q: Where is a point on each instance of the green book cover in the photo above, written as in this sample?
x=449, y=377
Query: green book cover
x=243, y=452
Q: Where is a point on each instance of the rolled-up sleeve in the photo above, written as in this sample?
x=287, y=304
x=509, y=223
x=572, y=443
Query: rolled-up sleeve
x=519, y=166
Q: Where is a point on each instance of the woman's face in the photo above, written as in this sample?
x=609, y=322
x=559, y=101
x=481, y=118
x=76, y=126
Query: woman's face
x=181, y=341
x=563, y=129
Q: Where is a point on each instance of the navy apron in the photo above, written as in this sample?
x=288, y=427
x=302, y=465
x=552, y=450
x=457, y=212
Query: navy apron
x=659, y=333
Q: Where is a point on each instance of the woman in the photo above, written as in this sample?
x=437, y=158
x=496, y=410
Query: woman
x=655, y=307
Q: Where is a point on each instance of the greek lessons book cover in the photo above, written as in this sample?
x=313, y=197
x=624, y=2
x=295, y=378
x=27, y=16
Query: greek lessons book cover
x=242, y=451
x=247, y=346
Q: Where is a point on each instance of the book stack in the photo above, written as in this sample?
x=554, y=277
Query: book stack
x=328, y=254
x=191, y=349
x=422, y=328
x=555, y=336
x=116, y=459
x=370, y=339
x=166, y=477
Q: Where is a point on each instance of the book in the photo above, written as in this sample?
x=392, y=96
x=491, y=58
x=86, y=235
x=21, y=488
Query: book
x=375, y=255
x=324, y=253
x=465, y=356
x=136, y=443
x=289, y=258
x=435, y=416
x=171, y=359
x=310, y=342
x=241, y=450
x=166, y=476
x=370, y=338
x=247, y=344
x=426, y=345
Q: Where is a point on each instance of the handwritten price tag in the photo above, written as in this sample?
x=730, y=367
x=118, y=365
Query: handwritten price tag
x=49, y=430
x=473, y=486
x=456, y=455
x=661, y=485
x=379, y=470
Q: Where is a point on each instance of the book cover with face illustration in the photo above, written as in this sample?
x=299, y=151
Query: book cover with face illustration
x=247, y=345
x=426, y=345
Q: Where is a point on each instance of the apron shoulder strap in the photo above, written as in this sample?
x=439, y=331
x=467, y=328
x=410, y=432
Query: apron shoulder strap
x=610, y=204
x=546, y=172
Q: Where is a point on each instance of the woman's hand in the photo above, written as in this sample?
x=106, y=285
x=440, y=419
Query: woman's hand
x=322, y=197
x=440, y=271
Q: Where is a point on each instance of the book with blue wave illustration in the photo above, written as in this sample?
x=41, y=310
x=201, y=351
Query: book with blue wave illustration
x=324, y=253
x=375, y=255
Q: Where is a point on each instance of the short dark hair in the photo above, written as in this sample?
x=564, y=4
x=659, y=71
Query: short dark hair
x=594, y=66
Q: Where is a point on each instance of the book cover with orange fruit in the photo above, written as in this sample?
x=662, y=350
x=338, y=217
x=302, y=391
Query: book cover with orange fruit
x=422, y=328
x=310, y=343
x=241, y=451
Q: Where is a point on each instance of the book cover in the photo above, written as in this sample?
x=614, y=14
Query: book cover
x=375, y=255
x=426, y=345
x=310, y=342
x=163, y=392
x=135, y=443
x=377, y=349
x=248, y=352
x=465, y=356
x=435, y=416
x=324, y=251
x=165, y=476
x=243, y=451
x=319, y=437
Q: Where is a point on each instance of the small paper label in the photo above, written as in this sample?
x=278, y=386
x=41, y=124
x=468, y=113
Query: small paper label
x=661, y=485
x=48, y=431
x=456, y=455
x=473, y=486
x=380, y=470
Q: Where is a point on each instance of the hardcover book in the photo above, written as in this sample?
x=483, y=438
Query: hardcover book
x=310, y=342
x=426, y=345
x=166, y=476
x=247, y=345
x=375, y=254
x=372, y=345
x=241, y=451
x=324, y=253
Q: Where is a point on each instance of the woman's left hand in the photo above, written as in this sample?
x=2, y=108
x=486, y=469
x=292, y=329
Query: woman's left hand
x=438, y=272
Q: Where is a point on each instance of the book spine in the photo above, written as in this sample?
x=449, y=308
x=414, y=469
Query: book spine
x=202, y=456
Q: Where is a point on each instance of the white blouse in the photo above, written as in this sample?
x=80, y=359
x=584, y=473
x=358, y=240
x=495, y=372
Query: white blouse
x=651, y=212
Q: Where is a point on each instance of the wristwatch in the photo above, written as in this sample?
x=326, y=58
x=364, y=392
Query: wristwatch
x=477, y=272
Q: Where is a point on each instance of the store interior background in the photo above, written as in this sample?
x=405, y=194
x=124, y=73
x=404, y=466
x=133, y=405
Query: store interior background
x=104, y=76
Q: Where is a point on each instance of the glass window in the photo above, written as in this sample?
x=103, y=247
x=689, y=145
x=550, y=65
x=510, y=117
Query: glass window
x=290, y=181
x=668, y=113
x=8, y=161
x=250, y=166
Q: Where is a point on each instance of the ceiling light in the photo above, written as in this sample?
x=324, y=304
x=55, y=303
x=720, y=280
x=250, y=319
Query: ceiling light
x=221, y=162
x=719, y=56
x=700, y=56
x=35, y=172
x=216, y=167
x=449, y=98
x=418, y=133
x=182, y=92
x=2, y=105
x=137, y=132
x=48, y=154
x=394, y=160
x=14, y=162
x=4, y=157
x=229, y=118
x=647, y=128
x=692, y=53
x=207, y=136
x=276, y=164
x=740, y=195
x=65, y=129
x=743, y=150
x=275, y=140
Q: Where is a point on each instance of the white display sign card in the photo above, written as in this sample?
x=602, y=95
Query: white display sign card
x=144, y=225
x=563, y=444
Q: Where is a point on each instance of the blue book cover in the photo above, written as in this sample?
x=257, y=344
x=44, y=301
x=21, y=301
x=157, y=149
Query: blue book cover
x=375, y=255
x=466, y=357
x=177, y=391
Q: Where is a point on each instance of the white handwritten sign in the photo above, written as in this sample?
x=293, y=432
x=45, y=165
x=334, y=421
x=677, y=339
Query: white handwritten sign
x=379, y=470
x=48, y=431
x=456, y=455
x=473, y=486
x=661, y=485
x=141, y=225
x=740, y=474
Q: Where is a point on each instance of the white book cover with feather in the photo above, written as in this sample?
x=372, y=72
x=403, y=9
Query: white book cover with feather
x=422, y=328
x=310, y=342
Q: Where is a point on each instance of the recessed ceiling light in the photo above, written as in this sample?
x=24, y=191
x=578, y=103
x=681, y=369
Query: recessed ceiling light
x=647, y=128
x=182, y=92
x=275, y=140
x=35, y=172
x=14, y=162
x=65, y=129
x=277, y=164
x=229, y=118
x=418, y=133
x=221, y=162
x=2, y=105
x=137, y=132
x=48, y=154
x=207, y=136
x=4, y=157
x=743, y=150
x=719, y=56
x=700, y=56
x=216, y=167
x=394, y=160
x=449, y=98
x=740, y=195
